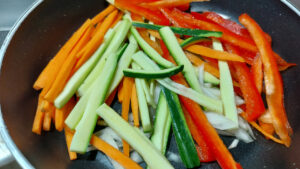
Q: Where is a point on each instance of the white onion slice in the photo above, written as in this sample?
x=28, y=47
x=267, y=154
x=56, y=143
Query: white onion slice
x=233, y=144
x=219, y=121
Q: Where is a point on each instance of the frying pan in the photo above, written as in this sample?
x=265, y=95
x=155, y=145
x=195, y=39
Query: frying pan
x=48, y=24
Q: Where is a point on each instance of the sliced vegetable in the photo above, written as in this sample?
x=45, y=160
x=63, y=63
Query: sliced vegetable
x=97, y=39
x=176, y=51
x=154, y=16
x=204, y=152
x=202, y=99
x=209, y=78
x=162, y=125
x=192, y=40
x=119, y=37
x=135, y=106
x=113, y=153
x=38, y=118
x=254, y=102
x=149, y=50
x=48, y=75
x=99, y=17
x=77, y=79
x=85, y=128
x=124, y=62
x=153, y=74
x=180, y=31
x=226, y=87
x=69, y=136
x=127, y=84
x=142, y=145
x=61, y=114
x=184, y=140
x=143, y=107
x=273, y=81
x=169, y=3
x=210, y=135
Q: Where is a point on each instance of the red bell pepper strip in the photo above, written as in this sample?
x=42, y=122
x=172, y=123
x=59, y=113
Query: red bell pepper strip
x=253, y=100
x=175, y=21
x=257, y=73
x=152, y=15
x=168, y=3
x=210, y=135
x=204, y=152
x=273, y=81
x=228, y=36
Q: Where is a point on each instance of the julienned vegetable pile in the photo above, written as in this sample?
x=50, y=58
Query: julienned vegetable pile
x=198, y=73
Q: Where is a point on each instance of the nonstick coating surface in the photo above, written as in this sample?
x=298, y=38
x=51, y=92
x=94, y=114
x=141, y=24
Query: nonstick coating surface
x=44, y=31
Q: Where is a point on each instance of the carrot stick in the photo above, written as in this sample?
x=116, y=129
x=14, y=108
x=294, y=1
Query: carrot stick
x=113, y=153
x=61, y=114
x=119, y=17
x=198, y=62
x=69, y=137
x=99, y=17
x=127, y=90
x=208, y=52
x=135, y=107
x=120, y=91
x=38, y=119
x=47, y=121
x=92, y=34
x=111, y=97
x=95, y=42
x=48, y=75
x=66, y=70
x=154, y=45
x=169, y=3
x=282, y=64
x=257, y=127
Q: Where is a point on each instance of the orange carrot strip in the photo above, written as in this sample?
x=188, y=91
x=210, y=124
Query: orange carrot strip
x=267, y=127
x=48, y=75
x=61, y=114
x=119, y=17
x=111, y=97
x=113, y=153
x=208, y=52
x=127, y=85
x=47, y=121
x=198, y=62
x=120, y=91
x=145, y=36
x=96, y=40
x=257, y=127
x=45, y=106
x=66, y=70
x=169, y=3
x=135, y=107
x=69, y=137
x=38, y=119
x=99, y=17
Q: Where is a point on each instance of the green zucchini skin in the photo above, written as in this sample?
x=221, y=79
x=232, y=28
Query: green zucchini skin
x=184, y=140
x=153, y=74
x=180, y=31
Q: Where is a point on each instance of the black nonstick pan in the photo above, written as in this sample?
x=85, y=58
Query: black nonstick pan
x=39, y=35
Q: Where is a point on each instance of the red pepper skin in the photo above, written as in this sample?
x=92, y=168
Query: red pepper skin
x=273, y=81
x=153, y=15
x=226, y=23
x=210, y=135
x=254, y=102
x=204, y=152
x=174, y=20
x=227, y=36
x=257, y=73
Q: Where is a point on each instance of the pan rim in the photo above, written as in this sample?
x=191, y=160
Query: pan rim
x=16, y=153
